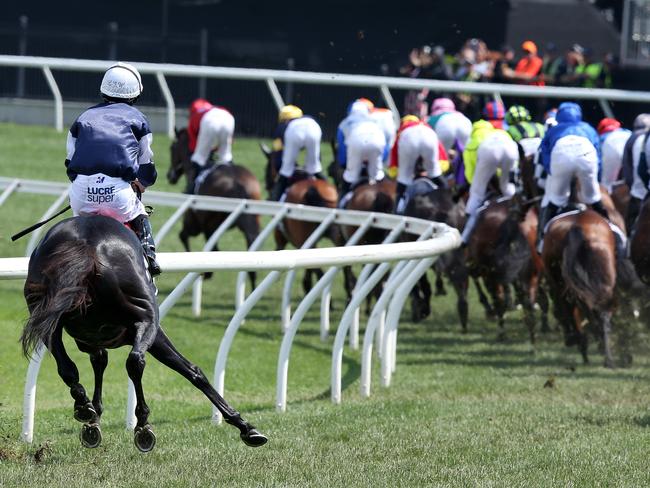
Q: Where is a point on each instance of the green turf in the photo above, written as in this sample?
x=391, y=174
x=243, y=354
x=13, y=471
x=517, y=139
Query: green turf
x=463, y=410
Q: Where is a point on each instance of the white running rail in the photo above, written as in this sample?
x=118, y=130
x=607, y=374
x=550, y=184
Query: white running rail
x=412, y=260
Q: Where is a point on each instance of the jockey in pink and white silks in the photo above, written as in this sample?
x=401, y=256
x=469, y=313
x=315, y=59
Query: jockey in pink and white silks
x=488, y=150
x=450, y=125
x=294, y=133
x=612, y=143
x=569, y=149
x=360, y=140
x=109, y=154
x=415, y=140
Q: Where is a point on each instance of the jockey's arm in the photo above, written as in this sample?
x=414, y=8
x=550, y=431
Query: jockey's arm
x=147, y=173
x=342, y=156
x=70, y=146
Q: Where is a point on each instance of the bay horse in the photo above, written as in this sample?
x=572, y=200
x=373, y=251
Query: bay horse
x=223, y=180
x=499, y=254
x=304, y=190
x=580, y=265
x=88, y=277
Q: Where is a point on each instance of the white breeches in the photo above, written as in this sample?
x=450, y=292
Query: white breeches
x=572, y=156
x=452, y=126
x=415, y=142
x=215, y=132
x=366, y=143
x=612, y=155
x=104, y=195
x=303, y=133
x=638, y=189
x=496, y=152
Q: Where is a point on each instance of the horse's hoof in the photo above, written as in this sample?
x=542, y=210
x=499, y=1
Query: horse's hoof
x=90, y=435
x=253, y=438
x=86, y=413
x=144, y=438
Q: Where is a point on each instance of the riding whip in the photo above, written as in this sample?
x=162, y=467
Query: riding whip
x=40, y=224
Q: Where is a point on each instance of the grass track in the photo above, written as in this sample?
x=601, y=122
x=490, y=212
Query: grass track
x=463, y=410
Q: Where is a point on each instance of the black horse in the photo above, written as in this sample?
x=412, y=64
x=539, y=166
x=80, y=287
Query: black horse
x=224, y=180
x=87, y=277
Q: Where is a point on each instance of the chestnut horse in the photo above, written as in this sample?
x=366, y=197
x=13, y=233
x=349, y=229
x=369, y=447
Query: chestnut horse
x=580, y=264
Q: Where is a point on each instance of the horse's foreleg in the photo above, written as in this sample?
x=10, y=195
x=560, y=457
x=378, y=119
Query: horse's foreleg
x=606, y=321
x=482, y=297
x=165, y=352
x=440, y=285
x=524, y=296
x=83, y=408
x=499, y=297
x=460, y=286
x=542, y=301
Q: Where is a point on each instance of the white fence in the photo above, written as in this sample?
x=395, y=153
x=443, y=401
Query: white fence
x=270, y=77
x=411, y=259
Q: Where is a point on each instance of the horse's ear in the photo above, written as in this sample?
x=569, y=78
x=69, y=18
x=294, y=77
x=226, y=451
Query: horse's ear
x=265, y=149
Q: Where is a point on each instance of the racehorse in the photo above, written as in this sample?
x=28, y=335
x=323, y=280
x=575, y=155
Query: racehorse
x=223, y=180
x=88, y=277
x=499, y=253
x=438, y=205
x=579, y=258
x=303, y=190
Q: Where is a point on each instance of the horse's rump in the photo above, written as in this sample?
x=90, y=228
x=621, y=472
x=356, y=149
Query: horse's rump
x=65, y=287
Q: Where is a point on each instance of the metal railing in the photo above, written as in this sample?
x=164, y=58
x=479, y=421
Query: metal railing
x=272, y=77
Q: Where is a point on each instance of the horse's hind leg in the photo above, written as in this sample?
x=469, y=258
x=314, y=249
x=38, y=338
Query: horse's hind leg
x=99, y=361
x=542, y=301
x=482, y=297
x=606, y=322
x=84, y=410
x=165, y=352
x=144, y=438
x=250, y=226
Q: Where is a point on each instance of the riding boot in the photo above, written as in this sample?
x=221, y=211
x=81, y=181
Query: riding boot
x=142, y=228
x=545, y=215
x=469, y=228
x=192, y=175
x=399, y=195
x=279, y=188
x=439, y=181
x=598, y=207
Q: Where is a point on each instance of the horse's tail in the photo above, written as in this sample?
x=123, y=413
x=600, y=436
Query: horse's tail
x=512, y=252
x=66, y=288
x=585, y=271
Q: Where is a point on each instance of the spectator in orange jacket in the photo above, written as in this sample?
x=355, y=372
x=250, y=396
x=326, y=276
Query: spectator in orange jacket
x=528, y=68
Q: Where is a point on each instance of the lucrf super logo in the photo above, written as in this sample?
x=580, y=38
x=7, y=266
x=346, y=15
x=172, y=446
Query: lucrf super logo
x=100, y=194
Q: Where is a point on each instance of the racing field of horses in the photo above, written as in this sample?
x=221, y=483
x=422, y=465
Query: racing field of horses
x=482, y=408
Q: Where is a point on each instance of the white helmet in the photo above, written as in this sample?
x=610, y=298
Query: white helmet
x=121, y=80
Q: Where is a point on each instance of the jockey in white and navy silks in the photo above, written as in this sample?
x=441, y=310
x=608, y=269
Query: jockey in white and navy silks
x=570, y=149
x=209, y=129
x=612, y=143
x=450, y=125
x=632, y=152
x=108, y=151
x=294, y=133
x=360, y=139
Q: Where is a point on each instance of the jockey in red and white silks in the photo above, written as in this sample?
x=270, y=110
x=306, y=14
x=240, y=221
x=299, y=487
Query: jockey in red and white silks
x=210, y=128
x=612, y=143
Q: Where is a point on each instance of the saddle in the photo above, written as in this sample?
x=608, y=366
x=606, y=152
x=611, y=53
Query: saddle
x=203, y=175
x=420, y=186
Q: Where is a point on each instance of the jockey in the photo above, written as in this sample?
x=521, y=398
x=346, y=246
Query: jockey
x=494, y=112
x=612, y=143
x=569, y=149
x=634, y=148
x=294, y=133
x=415, y=140
x=488, y=150
x=449, y=124
x=210, y=128
x=360, y=139
x=109, y=156
x=524, y=132
x=384, y=117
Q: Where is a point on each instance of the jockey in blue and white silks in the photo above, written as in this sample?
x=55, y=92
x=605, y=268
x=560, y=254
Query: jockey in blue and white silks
x=109, y=153
x=360, y=139
x=570, y=149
